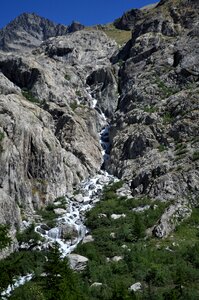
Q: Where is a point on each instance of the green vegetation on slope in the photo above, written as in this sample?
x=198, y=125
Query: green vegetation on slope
x=119, y=256
x=167, y=269
x=120, y=36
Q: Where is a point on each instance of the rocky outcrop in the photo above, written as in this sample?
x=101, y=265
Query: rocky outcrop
x=104, y=89
x=173, y=216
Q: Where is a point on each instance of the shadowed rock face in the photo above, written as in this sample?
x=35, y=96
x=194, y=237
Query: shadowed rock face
x=75, y=26
x=128, y=20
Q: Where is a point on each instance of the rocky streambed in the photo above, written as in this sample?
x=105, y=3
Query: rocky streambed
x=70, y=228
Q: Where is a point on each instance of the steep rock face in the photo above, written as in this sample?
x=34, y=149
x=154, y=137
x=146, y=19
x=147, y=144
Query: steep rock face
x=155, y=130
x=104, y=89
x=128, y=20
x=57, y=70
x=51, y=144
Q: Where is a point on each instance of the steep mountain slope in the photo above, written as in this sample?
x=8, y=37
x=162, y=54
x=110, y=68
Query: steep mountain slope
x=155, y=129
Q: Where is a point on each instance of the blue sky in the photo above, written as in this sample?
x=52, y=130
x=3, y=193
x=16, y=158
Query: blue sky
x=87, y=12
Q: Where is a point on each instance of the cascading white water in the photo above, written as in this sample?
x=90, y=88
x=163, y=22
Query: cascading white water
x=21, y=280
x=89, y=194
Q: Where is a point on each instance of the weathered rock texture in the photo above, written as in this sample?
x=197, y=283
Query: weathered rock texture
x=49, y=139
x=154, y=133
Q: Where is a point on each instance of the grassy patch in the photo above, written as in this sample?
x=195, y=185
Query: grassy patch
x=165, y=90
x=119, y=36
x=29, y=96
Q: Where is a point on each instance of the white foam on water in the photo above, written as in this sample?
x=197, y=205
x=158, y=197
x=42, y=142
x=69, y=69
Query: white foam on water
x=21, y=280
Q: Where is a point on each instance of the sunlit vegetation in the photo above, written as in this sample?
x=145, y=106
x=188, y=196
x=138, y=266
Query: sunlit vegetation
x=121, y=254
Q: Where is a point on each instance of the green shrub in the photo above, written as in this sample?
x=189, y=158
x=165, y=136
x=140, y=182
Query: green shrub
x=180, y=146
x=150, y=109
x=195, y=156
x=5, y=240
x=48, y=215
x=20, y=263
x=78, y=93
x=28, y=291
x=28, y=234
x=167, y=118
x=1, y=139
x=67, y=77
x=161, y=148
x=74, y=105
x=181, y=151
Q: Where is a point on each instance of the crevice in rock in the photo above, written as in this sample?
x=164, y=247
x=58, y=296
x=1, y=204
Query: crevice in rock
x=19, y=73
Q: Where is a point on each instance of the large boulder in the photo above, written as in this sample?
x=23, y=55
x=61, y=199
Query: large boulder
x=77, y=262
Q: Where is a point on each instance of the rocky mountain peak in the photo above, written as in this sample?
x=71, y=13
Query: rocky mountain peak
x=29, y=30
